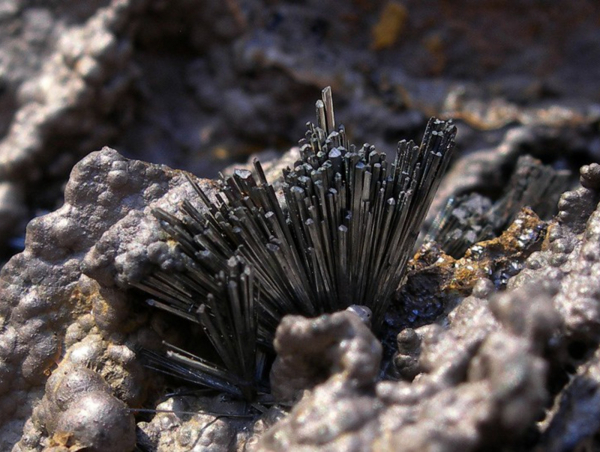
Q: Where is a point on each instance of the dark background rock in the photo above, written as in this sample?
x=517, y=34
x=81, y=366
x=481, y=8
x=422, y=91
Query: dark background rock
x=199, y=84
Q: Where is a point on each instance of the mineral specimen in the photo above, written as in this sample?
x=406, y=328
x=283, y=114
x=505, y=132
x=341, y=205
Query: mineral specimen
x=479, y=373
x=198, y=83
x=473, y=218
x=503, y=362
x=341, y=237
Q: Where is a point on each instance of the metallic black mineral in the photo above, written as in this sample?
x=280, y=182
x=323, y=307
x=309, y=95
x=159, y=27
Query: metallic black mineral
x=491, y=341
x=338, y=234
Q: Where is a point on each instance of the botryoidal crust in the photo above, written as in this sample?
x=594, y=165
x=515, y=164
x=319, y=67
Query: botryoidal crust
x=350, y=349
x=482, y=376
x=51, y=313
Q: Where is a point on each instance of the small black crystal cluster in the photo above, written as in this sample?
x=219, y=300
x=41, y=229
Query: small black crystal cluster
x=338, y=233
x=472, y=217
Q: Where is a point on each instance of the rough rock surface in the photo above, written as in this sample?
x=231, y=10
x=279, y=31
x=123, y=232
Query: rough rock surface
x=486, y=371
x=481, y=379
x=52, y=313
x=179, y=429
x=483, y=375
x=341, y=343
x=198, y=83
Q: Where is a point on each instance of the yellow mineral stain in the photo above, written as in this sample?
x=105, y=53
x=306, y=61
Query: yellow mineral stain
x=61, y=439
x=220, y=153
x=435, y=45
x=392, y=21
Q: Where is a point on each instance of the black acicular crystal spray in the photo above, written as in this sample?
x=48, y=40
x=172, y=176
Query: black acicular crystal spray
x=341, y=237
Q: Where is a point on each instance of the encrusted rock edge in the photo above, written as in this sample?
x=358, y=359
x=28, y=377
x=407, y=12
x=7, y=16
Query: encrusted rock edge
x=494, y=360
x=56, y=320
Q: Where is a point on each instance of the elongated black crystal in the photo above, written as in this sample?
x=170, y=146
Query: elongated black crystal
x=341, y=237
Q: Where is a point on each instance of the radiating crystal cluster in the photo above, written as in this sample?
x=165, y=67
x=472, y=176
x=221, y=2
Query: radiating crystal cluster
x=339, y=234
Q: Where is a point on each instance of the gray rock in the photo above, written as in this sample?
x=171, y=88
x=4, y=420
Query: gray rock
x=52, y=312
x=480, y=373
x=198, y=84
x=340, y=343
x=193, y=83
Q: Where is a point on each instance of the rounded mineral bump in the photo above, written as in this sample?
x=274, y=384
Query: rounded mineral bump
x=86, y=352
x=8, y=342
x=30, y=305
x=75, y=333
x=40, y=357
x=121, y=354
x=590, y=176
x=483, y=288
x=117, y=178
x=407, y=340
x=363, y=313
x=70, y=382
x=536, y=261
x=97, y=422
